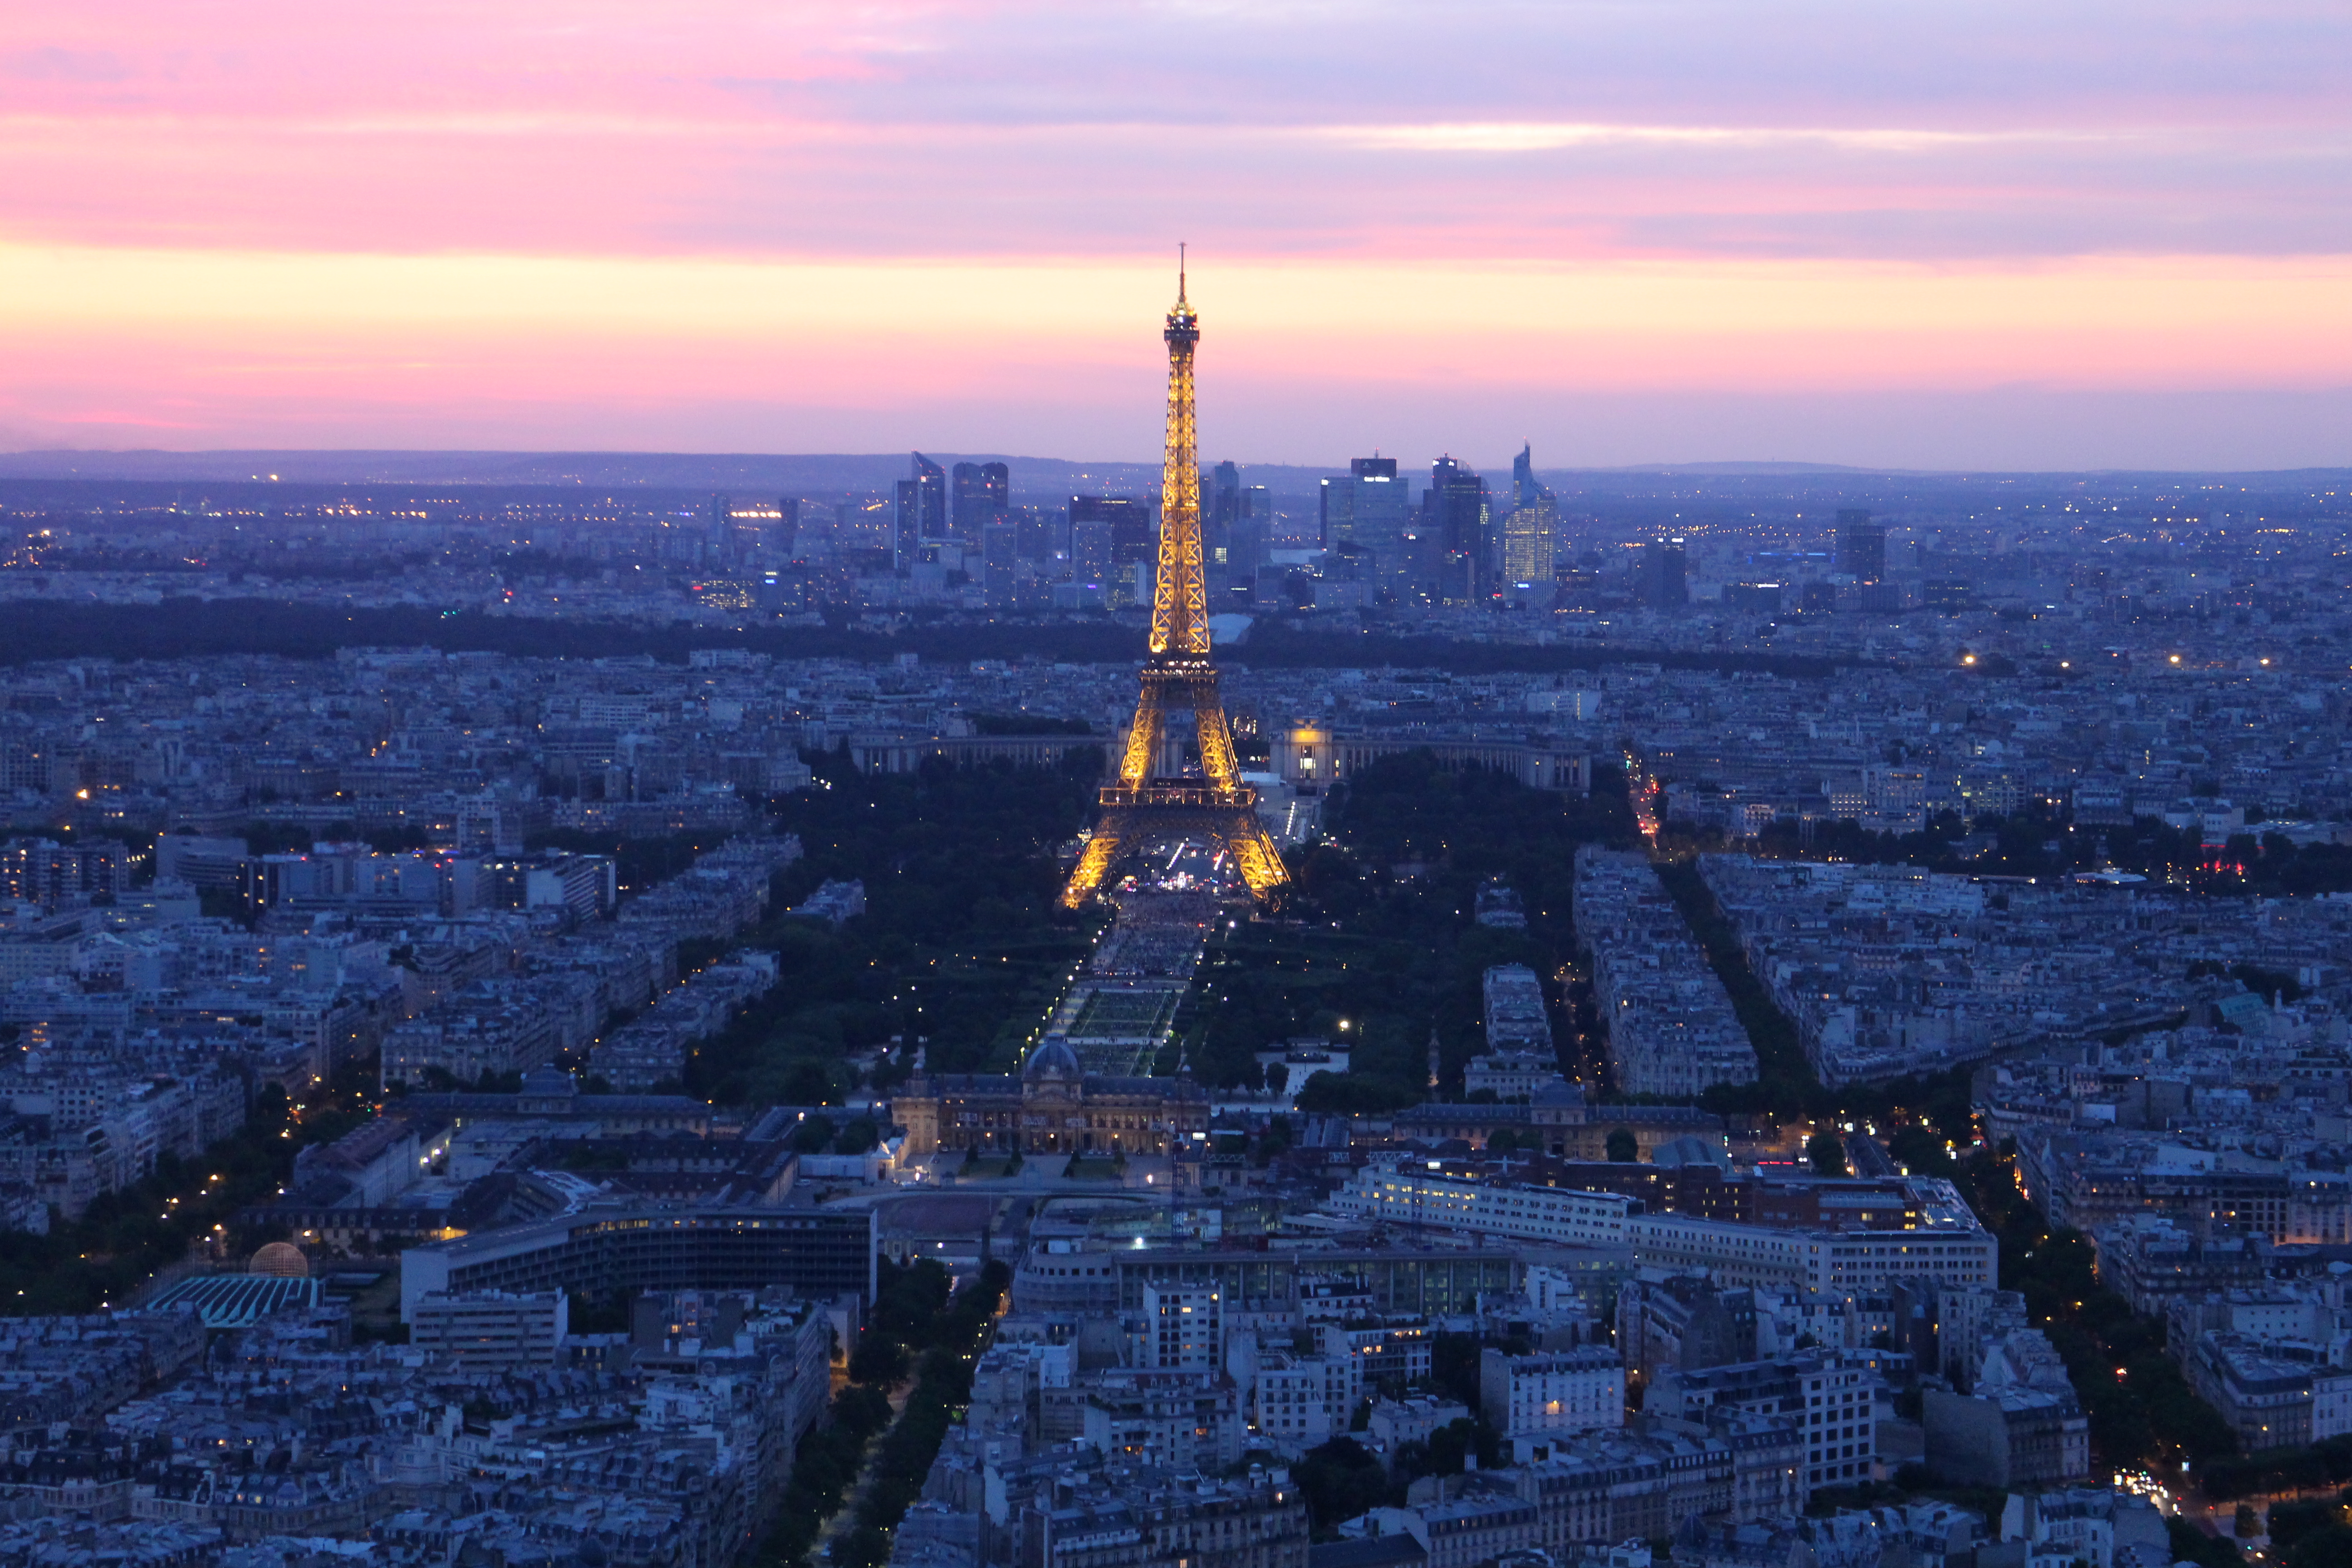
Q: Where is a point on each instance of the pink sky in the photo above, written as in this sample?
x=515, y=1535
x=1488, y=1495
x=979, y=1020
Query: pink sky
x=1977, y=235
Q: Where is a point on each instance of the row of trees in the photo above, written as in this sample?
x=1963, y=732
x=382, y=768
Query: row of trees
x=2142, y=1410
x=1922, y=1111
x=2041, y=841
x=954, y=1339
x=1784, y=1078
x=917, y=1327
x=1342, y=1478
x=2316, y=1533
x=824, y=1466
x=2307, y=1467
x=39, y=629
x=960, y=946
x=125, y=1237
x=1389, y=955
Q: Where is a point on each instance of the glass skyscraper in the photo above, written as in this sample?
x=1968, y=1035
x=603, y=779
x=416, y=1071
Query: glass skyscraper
x=979, y=494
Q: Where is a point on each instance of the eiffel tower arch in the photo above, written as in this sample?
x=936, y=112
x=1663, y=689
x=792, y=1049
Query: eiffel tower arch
x=1148, y=805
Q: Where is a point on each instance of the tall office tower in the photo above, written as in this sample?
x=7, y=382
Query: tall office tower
x=1662, y=584
x=1222, y=511
x=1527, y=540
x=999, y=552
x=718, y=531
x=1037, y=529
x=1457, y=521
x=1531, y=528
x=1131, y=540
x=1225, y=499
x=1146, y=806
x=1335, y=514
x=931, y=490
x=784, y=544
x=922, y=508
x=1252, y=534
x=906, y=532
x=979, y=494
x=1861, y=545
x=1090, y=554
x=1368, y=509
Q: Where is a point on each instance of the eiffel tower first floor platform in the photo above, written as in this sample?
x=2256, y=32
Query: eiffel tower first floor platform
x=1136, y=816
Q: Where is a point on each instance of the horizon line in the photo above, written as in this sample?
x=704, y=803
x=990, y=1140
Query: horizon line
x=1722, y=467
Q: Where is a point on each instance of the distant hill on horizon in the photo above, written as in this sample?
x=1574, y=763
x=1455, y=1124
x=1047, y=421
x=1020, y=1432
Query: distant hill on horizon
x=810, y=475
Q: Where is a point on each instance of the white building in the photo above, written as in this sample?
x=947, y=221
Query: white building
x=1553, y=1391
x=1297, y=1401
x=1843, y=1409
x=489, y=1329
x=1413, y=1195
x=1511, y=1074
x=1947, y=1245
x=1182, y=1327
x=1671, y=1025
x=1516, y=1021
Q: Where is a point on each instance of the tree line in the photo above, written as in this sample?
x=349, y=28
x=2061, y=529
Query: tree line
x=919, y=1328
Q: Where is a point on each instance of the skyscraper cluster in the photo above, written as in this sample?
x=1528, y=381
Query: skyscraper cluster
x=922, y=508
x=1458, y=544
x=970, y=508
x=1090, y=551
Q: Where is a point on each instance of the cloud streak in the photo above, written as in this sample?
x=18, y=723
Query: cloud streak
x=1524, y=136
x=579, y=215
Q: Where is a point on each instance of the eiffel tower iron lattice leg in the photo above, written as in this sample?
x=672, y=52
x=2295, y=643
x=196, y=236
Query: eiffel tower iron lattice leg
x=1123, y=829
x=1145, y=806
x=1142, y=809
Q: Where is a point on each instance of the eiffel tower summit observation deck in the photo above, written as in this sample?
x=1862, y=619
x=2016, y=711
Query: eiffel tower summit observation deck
x=1146, y=803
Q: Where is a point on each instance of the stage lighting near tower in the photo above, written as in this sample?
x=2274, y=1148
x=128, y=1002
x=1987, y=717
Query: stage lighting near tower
x=1145, y=806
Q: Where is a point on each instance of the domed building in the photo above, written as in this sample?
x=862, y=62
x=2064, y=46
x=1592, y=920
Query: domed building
x=1054, y=1059
x=1054, y=1107
x=283, y=1258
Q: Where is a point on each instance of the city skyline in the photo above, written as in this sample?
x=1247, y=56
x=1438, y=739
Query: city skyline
x=1996, y=240
x=1662, y=879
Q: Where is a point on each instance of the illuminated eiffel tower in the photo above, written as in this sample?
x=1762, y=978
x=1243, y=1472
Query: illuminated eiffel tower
x=1146, y=806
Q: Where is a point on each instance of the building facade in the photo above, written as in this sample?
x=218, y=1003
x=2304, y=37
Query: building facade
x=1054, y=1107
x=1559, y=1391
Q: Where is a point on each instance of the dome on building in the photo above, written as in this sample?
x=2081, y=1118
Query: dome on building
x=1054, y=1059
x=283, y=1258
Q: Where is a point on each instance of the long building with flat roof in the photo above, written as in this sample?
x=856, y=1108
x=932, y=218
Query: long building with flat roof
x=1942, y=1248
x=1408, y=1194
x=1843, y=1235
x=819, y=1253
x=1562, y=1122
x=1406, y=1279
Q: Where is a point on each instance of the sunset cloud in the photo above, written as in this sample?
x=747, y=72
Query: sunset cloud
x=573, y=223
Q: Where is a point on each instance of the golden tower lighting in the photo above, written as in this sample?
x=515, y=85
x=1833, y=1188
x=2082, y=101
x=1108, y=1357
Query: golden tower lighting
x=1144, y=805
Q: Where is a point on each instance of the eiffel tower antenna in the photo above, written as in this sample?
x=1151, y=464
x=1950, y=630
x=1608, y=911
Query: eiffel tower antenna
x=1145, y=805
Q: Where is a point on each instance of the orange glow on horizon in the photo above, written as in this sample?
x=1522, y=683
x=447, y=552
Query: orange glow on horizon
x=713, y=226
x=196, y=341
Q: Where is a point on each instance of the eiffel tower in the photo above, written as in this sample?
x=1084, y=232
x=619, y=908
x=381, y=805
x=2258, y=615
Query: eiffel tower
x=1144, y=805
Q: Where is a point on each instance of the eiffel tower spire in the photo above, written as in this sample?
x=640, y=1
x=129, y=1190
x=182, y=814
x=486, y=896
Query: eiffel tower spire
x=1145, y=805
